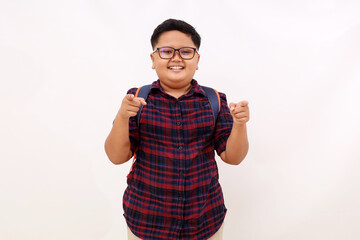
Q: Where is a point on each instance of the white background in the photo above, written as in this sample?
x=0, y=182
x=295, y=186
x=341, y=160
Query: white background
x=66, y=65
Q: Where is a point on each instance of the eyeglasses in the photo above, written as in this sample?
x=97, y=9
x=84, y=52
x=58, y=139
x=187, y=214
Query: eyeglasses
x=186, y=53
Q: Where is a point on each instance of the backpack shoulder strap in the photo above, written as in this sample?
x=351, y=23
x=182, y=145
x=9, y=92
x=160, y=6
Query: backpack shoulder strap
x=142, y=92
x=214, y=99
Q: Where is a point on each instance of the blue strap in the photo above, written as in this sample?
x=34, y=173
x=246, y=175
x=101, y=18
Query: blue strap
x=214, y=101
x=143, y=93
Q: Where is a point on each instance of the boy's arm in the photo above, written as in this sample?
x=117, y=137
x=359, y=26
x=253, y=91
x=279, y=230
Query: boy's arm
x=237, y=144
x=117, y=144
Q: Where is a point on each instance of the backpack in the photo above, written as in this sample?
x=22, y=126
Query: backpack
x=212, y=95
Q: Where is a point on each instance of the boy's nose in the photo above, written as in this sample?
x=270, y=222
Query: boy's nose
x=176, y=56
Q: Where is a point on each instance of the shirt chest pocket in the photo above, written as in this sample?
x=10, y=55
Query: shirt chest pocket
x=198, y=122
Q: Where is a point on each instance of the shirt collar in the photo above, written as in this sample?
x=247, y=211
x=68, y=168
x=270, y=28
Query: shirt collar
x=196, y=88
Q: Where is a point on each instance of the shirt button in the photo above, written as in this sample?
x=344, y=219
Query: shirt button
x=179, y=222
x=181, y=173
x=178, y=123
x=180, y=148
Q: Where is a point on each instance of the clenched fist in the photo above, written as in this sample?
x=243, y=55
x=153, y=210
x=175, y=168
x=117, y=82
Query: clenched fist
x=130, y=106
x=240, y=112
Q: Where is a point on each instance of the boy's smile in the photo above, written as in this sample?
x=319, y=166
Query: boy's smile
x=175, y=68
x=175, y=73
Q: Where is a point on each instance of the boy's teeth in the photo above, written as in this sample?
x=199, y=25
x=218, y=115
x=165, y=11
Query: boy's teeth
x=176, y=68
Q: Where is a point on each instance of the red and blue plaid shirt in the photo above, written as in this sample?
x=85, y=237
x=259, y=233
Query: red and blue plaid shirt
x=173, y=189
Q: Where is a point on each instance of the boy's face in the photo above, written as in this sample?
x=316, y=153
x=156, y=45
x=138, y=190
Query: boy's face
x=175, y=72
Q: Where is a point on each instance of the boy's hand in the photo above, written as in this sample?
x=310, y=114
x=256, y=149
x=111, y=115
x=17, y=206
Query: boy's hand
x=240, y=112
x=130, y=106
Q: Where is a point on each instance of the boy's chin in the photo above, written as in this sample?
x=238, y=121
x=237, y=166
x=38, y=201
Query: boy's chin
x=176, y=82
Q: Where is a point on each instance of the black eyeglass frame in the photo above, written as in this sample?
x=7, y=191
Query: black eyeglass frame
x=176, y=50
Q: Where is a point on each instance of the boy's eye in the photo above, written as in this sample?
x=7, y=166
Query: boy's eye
x=166, y=50
x=186, y=51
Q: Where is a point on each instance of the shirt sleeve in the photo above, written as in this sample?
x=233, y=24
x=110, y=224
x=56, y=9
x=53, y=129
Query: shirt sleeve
x=133, y=129
x=223, y=125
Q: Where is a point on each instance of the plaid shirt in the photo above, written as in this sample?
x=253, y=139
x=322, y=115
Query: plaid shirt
x=173, y=190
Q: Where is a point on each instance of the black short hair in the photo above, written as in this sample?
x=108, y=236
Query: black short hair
x=179, y=25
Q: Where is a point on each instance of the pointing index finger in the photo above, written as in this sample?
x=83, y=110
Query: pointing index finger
x=244, y=103
x=141, y=100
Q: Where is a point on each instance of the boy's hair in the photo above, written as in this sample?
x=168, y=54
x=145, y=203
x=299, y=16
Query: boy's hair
x=179, y=25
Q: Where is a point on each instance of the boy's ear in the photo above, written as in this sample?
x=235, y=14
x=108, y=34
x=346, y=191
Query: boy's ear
x=198, y=59
x=153, y=60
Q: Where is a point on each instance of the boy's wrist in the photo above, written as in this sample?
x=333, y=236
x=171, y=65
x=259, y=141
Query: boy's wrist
x=238, y=125
x=122, y=119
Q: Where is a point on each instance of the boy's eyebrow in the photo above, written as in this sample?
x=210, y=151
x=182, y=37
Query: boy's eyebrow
x=177, y=48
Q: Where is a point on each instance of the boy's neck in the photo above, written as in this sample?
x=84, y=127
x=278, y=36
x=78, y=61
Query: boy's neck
x=176, y=92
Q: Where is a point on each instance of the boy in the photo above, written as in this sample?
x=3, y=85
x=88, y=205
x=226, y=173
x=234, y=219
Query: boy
x=173, y=190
